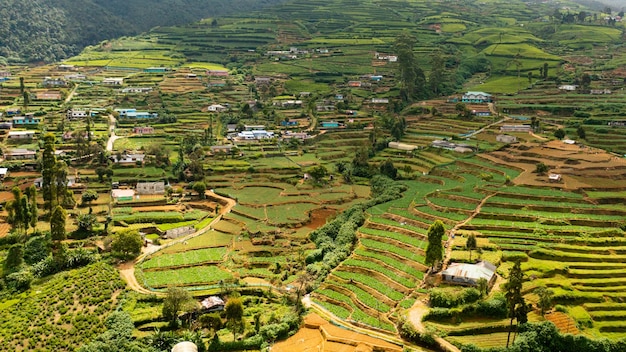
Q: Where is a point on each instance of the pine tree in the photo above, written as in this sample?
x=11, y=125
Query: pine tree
x=434, y=251
x=48, y=172
x=518, y=309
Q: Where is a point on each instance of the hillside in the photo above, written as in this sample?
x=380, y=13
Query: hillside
x=38, y=30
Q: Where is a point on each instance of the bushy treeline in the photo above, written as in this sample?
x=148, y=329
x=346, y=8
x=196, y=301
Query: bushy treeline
x=51, y=30
x=544, y=337
x=335, y=240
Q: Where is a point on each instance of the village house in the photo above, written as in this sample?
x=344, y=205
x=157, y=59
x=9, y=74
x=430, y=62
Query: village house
x=143, y=130
x=288, y=104
x=70, y=181
x=128, y=90
x=150, y=187
x=5, y=74
x=217, y=108
x=20, y=154
x=255, y=135
x=289, y=123
x=66, y=67
x=4, y=172
x=134, y=114
x=259, y=81
x=21, y=135
x=212, y=304
x=54, y=82
x=128, y=158
x=28, y=119
x=568, y=87
x=296, y=135
x=477, y=97
x=355, y=84
x=380, y=101
x=481, y=113
x=113, y=81
x=12, y=112
x=600, y=91
x=554, y=177
x=468, y=274
x=76, y=114
x=5, y=125
x=329, y=124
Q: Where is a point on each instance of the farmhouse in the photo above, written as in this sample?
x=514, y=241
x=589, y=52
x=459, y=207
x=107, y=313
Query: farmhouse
x=143, y=130
x=481, y=113
x=29, y=119
x=288, y=123
x=21, y=135
x=113, y=81
x=54, y=82
x=212, y=304
x=296, y=135
x=254, y=127
x=66, y=67
x=329, y=124
x=402, y=146
x=20, y=154
x=515, y=128
x=217, y=108
x=554, y=177
x=76, y=114
x=136, y=90
x=12, y=111
x=259, y=81
x=505, y=138
x=70, y=181
x=600, y=91
x=134, y=114
x=255, y=135
x=568, y=87
x=4, y=172
x=477, y=97
x=127, y=158
x=355, y=84
x=151, y=187
x=380, y=101
x=122, y=194
x=191, y=76
x=469, y=274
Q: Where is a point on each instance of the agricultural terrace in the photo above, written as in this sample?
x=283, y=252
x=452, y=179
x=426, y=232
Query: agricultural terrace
x=75, y=302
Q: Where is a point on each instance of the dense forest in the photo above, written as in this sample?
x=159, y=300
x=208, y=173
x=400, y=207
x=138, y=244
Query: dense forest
x=38, y=30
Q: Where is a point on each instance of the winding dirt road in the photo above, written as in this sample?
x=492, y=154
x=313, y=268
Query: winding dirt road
x=127, y=270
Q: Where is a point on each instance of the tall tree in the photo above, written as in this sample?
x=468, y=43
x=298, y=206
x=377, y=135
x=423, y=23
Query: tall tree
x=127, y=244
x=26, y=100
x=48, y=172
x=545, y=70
x=434, y=250
x=518, y=309
x=177, y=300
x=545, y=299
x=412, y=78
x=471, y=244
x=14, y=259
x=21, y=85
x=57, y=224
x=436, y=76
x=234, y=315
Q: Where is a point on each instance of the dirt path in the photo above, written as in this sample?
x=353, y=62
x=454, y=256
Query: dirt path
x=127, y=270
x=112, y=136
x=71, y=95
x=416, y=314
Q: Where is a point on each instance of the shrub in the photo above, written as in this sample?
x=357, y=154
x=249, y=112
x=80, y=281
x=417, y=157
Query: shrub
x=19, y=281
x=495, y=307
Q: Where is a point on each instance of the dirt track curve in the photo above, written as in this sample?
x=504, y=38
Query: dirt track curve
x=127, y=270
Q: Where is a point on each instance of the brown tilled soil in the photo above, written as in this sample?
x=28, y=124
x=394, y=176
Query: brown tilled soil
x=318, y=335
x=579, y=166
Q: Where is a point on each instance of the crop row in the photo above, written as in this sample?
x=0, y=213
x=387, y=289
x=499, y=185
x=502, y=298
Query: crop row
x=186, y=258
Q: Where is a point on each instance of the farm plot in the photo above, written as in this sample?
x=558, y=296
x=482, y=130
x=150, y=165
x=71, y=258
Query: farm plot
x=193, y=276
x=198, y=256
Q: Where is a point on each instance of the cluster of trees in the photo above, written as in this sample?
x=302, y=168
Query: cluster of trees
x=335, y=240
x=62, y=28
